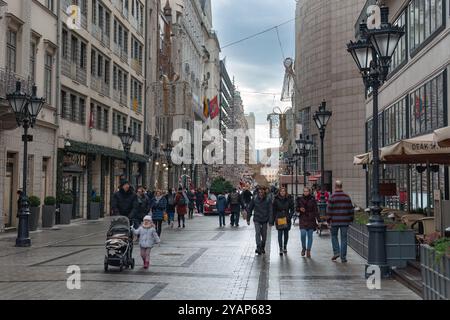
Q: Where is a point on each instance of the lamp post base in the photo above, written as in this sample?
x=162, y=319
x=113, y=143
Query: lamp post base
x=23, y=243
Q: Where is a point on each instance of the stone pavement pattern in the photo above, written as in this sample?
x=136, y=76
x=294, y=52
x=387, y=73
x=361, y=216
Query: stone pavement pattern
x=200, y=262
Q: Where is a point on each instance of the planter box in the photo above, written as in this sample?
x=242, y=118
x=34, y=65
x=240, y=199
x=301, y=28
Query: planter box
x=435, y=275
x=48, y=216
x=358, y=239
x=400, y=245
x=94, y=213
x=33, y=218
x=65, y=213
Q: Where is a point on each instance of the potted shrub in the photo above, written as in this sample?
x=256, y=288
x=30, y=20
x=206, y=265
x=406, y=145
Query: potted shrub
x=95, y=208
x=48, y=212
x=400, y=241
x=35, y=210
x=65, y=208
x=435, y=265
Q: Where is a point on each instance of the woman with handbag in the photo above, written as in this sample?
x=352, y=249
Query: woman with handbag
x=309, y=213
x=283, y=210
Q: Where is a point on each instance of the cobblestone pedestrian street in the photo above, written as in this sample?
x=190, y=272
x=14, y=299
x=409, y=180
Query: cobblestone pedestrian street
x=199, y=262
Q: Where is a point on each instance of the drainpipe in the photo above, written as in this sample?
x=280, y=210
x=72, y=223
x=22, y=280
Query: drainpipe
x=57, y=95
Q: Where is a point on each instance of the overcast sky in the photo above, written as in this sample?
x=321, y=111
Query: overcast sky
x=256, y=64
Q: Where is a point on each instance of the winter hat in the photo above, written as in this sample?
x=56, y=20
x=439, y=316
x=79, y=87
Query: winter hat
x=124, y=182
x=148, y=218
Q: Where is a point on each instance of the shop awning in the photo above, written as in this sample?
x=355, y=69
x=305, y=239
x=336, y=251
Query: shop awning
x=442, y=137
x=423, y=149
x=87, y=148
x=362, y=159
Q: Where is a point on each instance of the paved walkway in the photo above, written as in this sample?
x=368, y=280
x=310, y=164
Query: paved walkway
x=200, y=262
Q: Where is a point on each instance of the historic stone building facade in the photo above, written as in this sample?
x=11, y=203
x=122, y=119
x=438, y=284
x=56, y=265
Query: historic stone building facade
x=325, y=71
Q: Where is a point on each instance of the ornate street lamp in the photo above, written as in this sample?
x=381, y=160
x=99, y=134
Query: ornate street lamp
x=373, y=56
x=127, y=139
x=321, y=118
x=168, y=154
x=304, y=145
x=26, y=110
x=296, y=156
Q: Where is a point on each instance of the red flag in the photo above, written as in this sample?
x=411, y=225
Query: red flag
x=214, y=107
x=91, y=120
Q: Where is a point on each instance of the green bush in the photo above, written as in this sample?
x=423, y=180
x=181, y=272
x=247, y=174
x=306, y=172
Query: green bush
x=220, y=185
x=96, y=199
x=49, y=201
x=34, y=201
x=441, y=247
x=65, y=199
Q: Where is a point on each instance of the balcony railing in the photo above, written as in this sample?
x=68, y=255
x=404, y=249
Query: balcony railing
x=8, y=81
x=100, y=35
x=137, y=66
x=124, y=56
x=73, y=71
x=120, y=97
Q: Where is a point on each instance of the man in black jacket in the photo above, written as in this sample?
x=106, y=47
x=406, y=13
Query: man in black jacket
x=123, y=201
x=261, y=205
x=235, y=203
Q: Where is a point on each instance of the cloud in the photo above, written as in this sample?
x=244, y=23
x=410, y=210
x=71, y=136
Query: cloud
x=256, y=64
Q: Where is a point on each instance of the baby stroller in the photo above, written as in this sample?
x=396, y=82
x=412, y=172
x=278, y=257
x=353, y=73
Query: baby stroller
x=119, y=245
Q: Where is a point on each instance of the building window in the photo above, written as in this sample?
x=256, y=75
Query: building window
x=136, y=95
x=426, y=107
x=73, y=107
x=399, y=55
x=65, y=44
x=395, y=120
x=380, y=132
x=136, y=129
x=11, y=51
x=33, y=62
x=48, y=75
x=50, y=5
x=305, y=121
x=425, y=17
x=119, y=123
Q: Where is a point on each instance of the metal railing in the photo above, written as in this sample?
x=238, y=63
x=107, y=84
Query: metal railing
x=120, y=97
x=8, y=81
x=136, y=66
x=100, y=35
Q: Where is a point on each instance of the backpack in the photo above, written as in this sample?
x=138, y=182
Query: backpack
x=182, y=201
x=234, y=198
x=171, y=200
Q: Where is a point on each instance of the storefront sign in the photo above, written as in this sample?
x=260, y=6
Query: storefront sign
x=74, y=159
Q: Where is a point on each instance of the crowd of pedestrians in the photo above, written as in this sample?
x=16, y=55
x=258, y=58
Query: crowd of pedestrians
x=148, y=211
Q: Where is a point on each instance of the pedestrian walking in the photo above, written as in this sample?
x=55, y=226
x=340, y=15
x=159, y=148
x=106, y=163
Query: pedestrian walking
x=283, y=210
x=235, y=204
x=181, y=204
x=141, y=208
x=170, y=199
x=191, y=205
x=261, y=206
x=341, y=212
x=158, y=207
x=123, y=201
x=246, y=197
x=221, y=205
x=308, y=215
x=148, y=238
x=199, y=199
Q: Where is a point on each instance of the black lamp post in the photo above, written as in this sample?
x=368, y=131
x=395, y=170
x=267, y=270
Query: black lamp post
x=373, y=54
x=304, y=145
x=168, y=153
x=127, y=139
x=297, y=155
x=26, y=110
x=321, y=118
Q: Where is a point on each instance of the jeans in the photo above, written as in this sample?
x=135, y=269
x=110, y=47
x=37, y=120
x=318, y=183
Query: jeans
x=281, y=233
x=158, y=225
x=235, y=218
x=260, y=235
x=171, y=217
x=304, y=233
x=339, y=250
x=191, y=213
x=200, y=207
x=222, y=218
x=181, y=217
